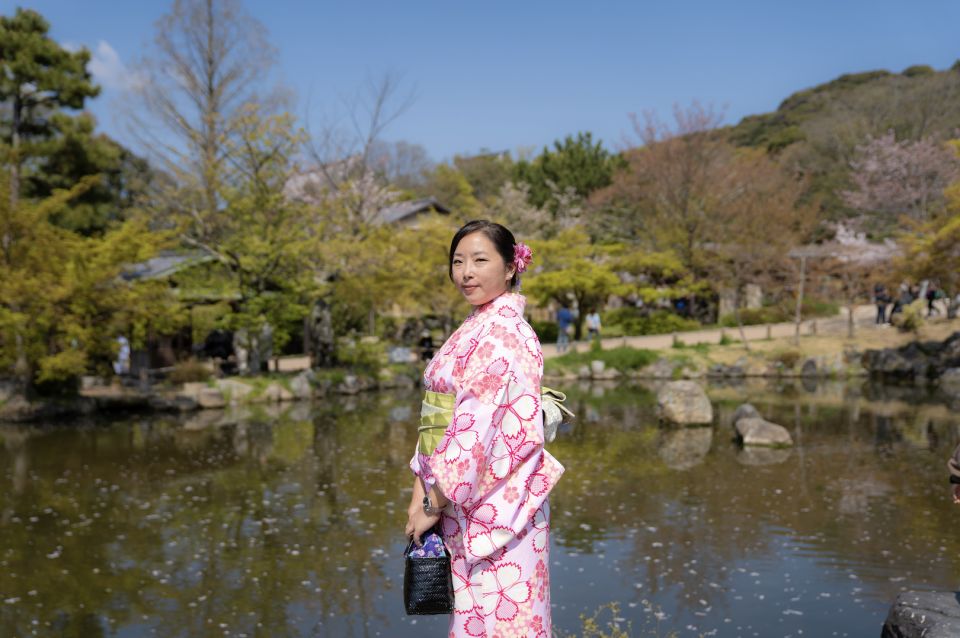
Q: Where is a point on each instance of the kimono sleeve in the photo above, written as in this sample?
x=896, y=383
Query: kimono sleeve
x=496, y=424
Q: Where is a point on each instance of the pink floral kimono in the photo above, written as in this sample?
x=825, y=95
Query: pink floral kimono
x=491, y=464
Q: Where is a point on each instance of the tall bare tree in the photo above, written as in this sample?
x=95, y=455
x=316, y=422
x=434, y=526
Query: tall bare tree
x=676, y=175
x=209, y=62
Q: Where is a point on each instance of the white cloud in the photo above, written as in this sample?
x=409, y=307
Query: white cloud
x=109, y=70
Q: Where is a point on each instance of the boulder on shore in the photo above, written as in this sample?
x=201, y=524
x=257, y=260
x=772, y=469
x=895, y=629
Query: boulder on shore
x=756, y=431
x=921, y=361
x=684, y=403
x=930, y=614
x=745, y=411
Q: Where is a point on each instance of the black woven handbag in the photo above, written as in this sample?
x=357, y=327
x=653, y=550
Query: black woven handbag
x=427, y=582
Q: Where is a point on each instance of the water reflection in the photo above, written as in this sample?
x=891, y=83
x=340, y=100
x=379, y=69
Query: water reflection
x=287, y=522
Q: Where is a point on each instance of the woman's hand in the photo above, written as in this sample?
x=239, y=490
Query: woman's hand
x=956, y=494
x=419, y=522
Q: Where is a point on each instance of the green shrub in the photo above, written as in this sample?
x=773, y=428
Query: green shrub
x=911, y=318
x=189, y=371
x=547, y=331
x=633, y=322
x=365, y=354
x=780, y=314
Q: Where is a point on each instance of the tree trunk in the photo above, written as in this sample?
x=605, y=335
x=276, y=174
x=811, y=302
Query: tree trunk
x=15, y=152
x=803, y=276
x=736, y=314
x=850, y=322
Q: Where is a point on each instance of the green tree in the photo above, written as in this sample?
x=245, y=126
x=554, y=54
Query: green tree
x=37, y=78
x=452, y=189
x=265, y=241
x=77, y=151
x=571, y=266
x=63, y=300
x=486, y=173
x=576, y=166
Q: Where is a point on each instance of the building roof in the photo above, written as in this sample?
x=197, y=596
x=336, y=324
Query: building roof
x=163, y=265
x=403, y=211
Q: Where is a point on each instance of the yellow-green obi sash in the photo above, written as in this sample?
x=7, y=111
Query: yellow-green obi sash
x=436, y=412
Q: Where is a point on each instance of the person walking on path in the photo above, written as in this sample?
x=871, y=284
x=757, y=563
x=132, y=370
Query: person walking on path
x=483, y=474
x=933, y=293
x=954, y=466
x=881, y=298
x=593, y=325
x=564, y=328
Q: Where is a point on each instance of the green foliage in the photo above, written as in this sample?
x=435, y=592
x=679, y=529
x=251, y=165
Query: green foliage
x=547, y=331
x=577, y=164
x=486, y=173
x=781, y=313
x=634, y=322
x=918, y=70
x=63, y=301
x=680, y=344
x=820, y=127
x=452, y=189
x=38, y=77
x=912, y=317
x=74, y=152
x=365, y=355
x=569, y=265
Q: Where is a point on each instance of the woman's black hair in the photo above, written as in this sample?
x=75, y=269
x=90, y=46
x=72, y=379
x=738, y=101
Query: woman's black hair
x=500, y=235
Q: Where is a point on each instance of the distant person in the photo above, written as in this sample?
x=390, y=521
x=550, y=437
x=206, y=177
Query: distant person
x=933, y=293
x=881, y=298
x=426, y=346
x=954, y=466
x=122, y=364
x=564, y=328
x=593, y=325
x=904, y=299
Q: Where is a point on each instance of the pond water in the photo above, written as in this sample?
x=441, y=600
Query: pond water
x=288, y=521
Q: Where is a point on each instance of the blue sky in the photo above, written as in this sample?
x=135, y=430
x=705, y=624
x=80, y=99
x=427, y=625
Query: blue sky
x=511, y=75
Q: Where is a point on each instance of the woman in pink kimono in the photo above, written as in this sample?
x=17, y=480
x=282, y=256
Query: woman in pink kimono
x=488, y=478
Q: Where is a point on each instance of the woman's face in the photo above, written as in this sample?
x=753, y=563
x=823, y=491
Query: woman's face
x=478, y=269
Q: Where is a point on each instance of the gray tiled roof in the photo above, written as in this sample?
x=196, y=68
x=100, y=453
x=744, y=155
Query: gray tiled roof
x=163, y=265
x=402, y=210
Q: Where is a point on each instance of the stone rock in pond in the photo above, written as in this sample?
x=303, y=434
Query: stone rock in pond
x=597, y=367
x=685, y=403
x=685, y=448
x=302, y=384
x=609, y=374
x=950, y=380
x=754, y=431
x=211, y=398
x=276, y=392
x=584, y=372
x=809, y=368
x=930, y=614
x=745, y=411
x=234, y=390
x=659, y=369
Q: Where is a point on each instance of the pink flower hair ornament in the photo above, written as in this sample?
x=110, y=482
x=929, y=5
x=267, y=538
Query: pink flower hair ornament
x=522, y=256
